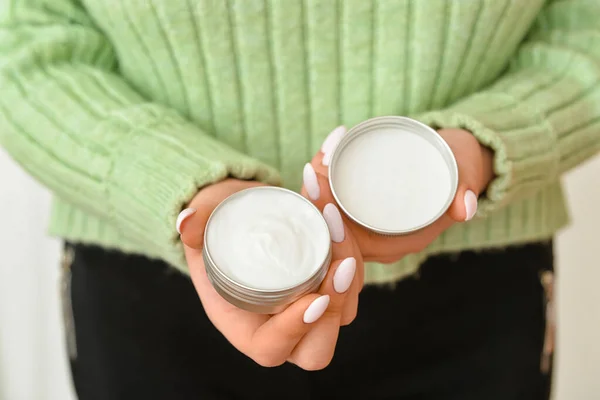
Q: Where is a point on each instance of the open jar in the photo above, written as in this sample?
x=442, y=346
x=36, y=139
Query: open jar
x=266, y=247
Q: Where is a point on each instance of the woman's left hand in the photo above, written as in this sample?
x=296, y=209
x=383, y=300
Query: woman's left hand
x=475, y=172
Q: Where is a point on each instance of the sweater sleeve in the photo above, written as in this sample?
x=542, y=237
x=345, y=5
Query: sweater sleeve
x=80, y=129
x=542, y=117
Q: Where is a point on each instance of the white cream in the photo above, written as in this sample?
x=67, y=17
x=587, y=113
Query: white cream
x=268, y=238
x=392, y=179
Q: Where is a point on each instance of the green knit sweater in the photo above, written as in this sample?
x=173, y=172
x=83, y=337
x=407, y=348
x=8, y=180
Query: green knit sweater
x=125, y=108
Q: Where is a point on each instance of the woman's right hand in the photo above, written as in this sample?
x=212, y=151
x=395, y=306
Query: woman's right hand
x=306, y=332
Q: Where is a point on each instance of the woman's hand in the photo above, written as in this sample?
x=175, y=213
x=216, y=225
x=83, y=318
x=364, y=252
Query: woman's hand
x=306, y=332
x=475, y=172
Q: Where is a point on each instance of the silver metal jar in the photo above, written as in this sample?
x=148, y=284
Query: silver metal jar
x=404, y=124
x=264, y=301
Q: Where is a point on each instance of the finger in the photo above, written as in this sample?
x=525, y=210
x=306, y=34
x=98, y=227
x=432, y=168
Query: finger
x=273, y=342
x=332, y=140
x=464, y=206
x=316, y=187
x=317, y=347
x=344, y=245
x=190, y=225
x=350, y=309
x=342, y=248
x=321, y=160
x=360, y=270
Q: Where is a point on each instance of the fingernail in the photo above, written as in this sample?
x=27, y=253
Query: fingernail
x=182, y=217
x=470, y=204
x=333, y=139
x=344, y=275
x=327, y=158
x=334, y=222
x=316, y=309
x=331, y=144
x=311, y=183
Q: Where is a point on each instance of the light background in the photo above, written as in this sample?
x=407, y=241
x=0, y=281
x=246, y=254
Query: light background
x=33, y=364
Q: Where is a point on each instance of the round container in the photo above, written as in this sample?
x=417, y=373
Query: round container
x=393, y=175
x=265, y=247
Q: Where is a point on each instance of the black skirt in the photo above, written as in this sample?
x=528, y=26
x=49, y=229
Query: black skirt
x=469, y=326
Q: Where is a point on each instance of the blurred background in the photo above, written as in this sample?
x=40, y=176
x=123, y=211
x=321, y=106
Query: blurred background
x=33, y=362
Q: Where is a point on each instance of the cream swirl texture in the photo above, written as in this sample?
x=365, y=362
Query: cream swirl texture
x=267, y=238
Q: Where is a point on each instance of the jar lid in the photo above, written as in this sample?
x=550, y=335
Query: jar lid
x=393, y=175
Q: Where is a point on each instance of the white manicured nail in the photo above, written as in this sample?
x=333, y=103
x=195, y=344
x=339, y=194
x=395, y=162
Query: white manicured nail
x=344, y=275
x=331, y=144
x=316, y=309
x=327, y=158
x=311, y=183
x=183, y=216
x=333, y=139
x=334, y=222
x=470, y=204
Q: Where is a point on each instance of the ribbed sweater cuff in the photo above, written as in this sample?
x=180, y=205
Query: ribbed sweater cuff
x=526, y=155
x=159, y=168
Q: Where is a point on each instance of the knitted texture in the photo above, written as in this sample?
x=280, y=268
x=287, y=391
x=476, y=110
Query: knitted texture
x=124, y=109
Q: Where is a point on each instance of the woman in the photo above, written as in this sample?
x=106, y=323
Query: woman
x=131, y=112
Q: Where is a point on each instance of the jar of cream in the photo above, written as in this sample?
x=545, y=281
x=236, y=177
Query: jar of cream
x=265, y=247
x=393, y=175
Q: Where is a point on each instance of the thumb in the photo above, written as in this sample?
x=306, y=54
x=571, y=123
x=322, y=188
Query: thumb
x=464, y=206
x=192, y=221
x=475, y=171
x=190, y=225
